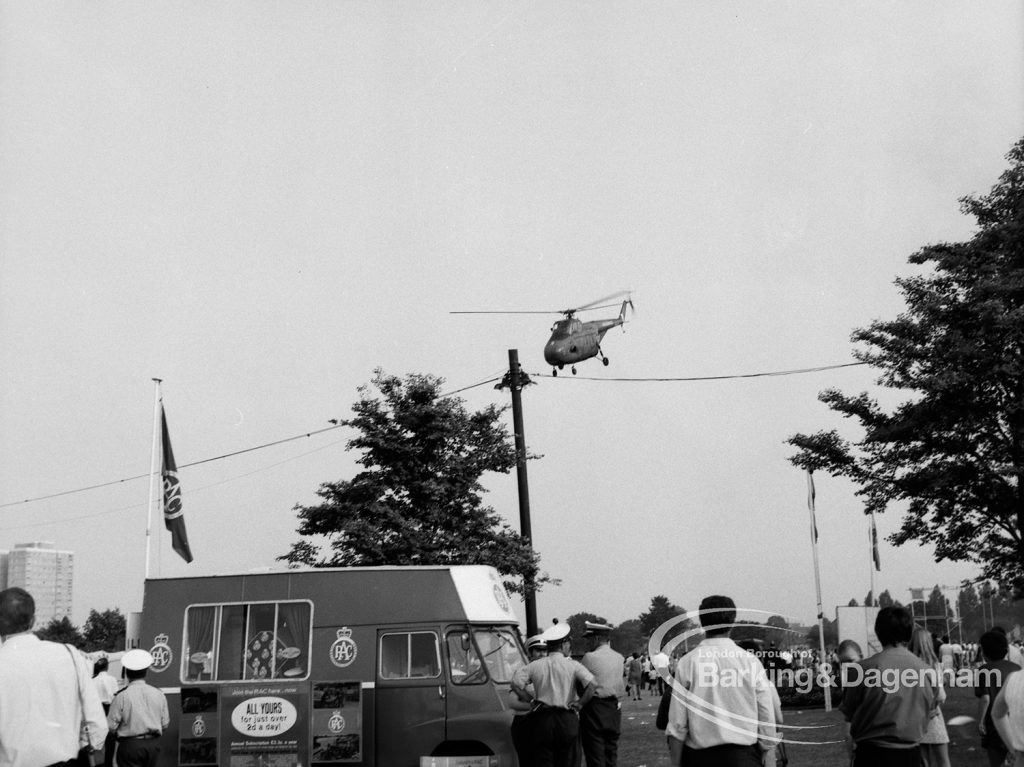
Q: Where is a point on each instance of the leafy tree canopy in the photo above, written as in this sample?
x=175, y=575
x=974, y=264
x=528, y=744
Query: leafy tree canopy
x=577, y=627
x=952, y=453
x=104, y=631
x=61, y=630
x=628, y=638
x=418, y=499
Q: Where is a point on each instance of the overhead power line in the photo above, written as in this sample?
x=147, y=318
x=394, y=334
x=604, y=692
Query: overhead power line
x=446, y=394
x=182, y=466
x=706, y=378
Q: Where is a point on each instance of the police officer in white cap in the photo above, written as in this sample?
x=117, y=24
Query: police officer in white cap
x=601, y=718
x=555, y=725
x=138, y=714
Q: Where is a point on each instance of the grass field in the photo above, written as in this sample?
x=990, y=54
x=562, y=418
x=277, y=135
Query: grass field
x=643, y=745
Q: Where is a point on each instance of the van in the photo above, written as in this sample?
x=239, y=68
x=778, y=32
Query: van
x=387, y=666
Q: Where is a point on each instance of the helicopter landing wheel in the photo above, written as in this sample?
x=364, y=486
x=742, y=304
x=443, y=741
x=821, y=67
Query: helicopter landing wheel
x=605, y=361
x=574, y=370
x=554, y=372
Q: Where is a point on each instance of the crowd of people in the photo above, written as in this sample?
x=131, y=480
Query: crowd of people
x=57, y=708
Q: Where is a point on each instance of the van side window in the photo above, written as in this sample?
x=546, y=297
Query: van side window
x=409, y=655
x=254, y=640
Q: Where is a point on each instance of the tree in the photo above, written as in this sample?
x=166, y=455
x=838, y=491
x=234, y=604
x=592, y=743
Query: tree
x=885, y=599
x=577, y=627
x=104, y=631
x=628, y=638
x=938, y=611
x=61, y=630
x=852, y=603
x=831, y=633
x=418, y=499
x=661, y=611
x=779, y=631
x=953, y=451
x=869, y=600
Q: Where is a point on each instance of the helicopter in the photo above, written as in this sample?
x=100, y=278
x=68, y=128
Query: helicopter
x=573, y=340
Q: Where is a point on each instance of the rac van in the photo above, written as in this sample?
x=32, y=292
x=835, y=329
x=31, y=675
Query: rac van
x=385, y=666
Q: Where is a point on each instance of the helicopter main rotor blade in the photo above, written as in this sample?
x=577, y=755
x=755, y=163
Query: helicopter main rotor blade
x=502, y=312
x=594, y=304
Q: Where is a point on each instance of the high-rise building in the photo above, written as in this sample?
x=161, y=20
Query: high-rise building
x=43, y=572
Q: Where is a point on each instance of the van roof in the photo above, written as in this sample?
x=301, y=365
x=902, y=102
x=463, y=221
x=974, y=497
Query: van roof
x=429, y=592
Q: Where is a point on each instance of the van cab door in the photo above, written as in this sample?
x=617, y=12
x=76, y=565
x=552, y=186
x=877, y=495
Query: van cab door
x=410, y=708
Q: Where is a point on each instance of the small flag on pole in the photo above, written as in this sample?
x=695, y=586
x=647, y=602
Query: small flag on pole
x=874, y=544
x=810, y=505
x=173, y=519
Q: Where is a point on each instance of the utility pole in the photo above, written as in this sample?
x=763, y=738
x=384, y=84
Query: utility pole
x=515, y=380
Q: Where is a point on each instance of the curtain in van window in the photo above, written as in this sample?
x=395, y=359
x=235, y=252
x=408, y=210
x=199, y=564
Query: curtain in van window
x=293, y=631
x=198, y=659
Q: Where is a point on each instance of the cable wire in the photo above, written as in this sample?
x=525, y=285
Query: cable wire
x=706, y=378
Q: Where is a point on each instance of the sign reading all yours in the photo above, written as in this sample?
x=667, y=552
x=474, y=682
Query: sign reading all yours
x=264, y=717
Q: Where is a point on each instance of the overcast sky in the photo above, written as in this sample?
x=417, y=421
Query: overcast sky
x=261, y=202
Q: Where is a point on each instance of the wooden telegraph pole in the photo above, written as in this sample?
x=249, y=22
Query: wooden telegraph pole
x=515, y=380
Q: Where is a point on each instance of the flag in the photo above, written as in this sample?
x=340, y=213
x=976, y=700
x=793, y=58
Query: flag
x=173, y=519
x=810, y=505
x=874, y=544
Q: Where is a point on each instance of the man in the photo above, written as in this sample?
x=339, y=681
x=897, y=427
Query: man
x=890, y=697
x=661, y=663
x=43, y=686
x=991, y=677
x=554, y=677
x=138, y=714
x=722, y=711
x=601, y=718
x=106, y=687
x=522, y=735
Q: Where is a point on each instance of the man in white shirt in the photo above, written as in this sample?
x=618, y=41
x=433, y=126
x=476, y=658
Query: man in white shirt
x=43, y=686
x=722, y=712
x=661, y=663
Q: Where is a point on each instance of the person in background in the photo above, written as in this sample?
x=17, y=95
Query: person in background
x=935, y=743
x=887, y=721
x=106, y=687
x=522, y=737
x=1008, y=716
x=601, y=718
x=46, y=693
x=661, y=664
x=1013, y=653
x=634, y=675
x=138, y=714
x=991, y=676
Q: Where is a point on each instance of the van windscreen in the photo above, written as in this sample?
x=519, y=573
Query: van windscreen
x=501, y=652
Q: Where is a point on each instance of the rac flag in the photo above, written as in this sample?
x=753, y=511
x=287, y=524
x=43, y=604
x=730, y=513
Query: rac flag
x=173, y=519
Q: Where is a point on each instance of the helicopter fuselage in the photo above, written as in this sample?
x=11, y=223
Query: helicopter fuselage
x=574, y=341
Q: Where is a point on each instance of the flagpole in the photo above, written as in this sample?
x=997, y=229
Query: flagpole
x=153, y=469
x=817, y=587
x=871, y=560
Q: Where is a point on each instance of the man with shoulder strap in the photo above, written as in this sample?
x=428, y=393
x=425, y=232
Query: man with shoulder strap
x=601, y=718
x=138, y=714
x=49, y=708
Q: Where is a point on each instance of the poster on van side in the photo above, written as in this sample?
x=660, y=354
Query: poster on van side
x=263, y=726
x=337, y=722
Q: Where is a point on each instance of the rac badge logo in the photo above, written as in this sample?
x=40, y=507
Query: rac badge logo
x=344, y=649
x=161, y=652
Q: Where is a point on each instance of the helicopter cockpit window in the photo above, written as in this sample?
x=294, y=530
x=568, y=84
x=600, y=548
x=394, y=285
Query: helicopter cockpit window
x=561, y=328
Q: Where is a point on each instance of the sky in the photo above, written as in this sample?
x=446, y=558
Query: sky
x=262, y=202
